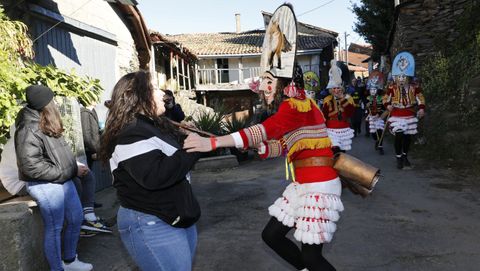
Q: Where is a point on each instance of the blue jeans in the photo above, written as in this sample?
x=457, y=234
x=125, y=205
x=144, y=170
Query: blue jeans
x=155, y=245
x=58, y=203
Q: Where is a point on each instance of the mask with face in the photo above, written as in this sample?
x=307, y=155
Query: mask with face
x=401, y=79
x=310, y=94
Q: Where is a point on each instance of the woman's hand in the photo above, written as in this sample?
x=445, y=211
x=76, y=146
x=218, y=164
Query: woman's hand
x=82, y=170
x=196, y=143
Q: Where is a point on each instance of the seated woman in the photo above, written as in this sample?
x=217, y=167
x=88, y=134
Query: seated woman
x=47, y=165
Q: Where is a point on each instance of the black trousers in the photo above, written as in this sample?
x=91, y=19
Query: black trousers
x=402, y=143
x=309, y=256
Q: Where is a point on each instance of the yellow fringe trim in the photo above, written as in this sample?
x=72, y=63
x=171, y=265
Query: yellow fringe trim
x=289, y=171
x=302, y=105
x=309, y=144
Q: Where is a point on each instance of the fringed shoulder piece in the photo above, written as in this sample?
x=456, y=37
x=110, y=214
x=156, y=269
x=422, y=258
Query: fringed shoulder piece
x=302, y=105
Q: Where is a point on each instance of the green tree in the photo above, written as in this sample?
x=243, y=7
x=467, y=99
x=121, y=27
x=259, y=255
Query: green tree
x=374, y=20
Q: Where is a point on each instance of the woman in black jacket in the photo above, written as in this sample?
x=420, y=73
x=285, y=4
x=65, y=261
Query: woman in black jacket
x=158, y=210
x=47, y=165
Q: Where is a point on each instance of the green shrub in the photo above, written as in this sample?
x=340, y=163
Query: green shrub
x=17, y=71
x=235, y=124
x=209, y=122
x=453, y=105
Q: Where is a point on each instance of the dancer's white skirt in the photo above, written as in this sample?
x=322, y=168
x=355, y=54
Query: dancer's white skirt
x=341, y=137
x=407, y=125
x=311, y=208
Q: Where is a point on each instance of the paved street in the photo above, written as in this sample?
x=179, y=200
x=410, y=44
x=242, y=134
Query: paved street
x=420, y=219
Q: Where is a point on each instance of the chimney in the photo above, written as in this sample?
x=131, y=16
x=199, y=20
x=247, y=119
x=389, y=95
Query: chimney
x=237, y=23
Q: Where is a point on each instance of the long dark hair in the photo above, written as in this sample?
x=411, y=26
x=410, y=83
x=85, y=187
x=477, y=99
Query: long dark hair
x=132, y=95
x=51, y=121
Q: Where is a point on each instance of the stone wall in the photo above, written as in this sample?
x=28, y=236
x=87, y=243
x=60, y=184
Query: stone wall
x=423, y=25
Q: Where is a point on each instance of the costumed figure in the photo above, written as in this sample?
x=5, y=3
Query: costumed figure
x=338, y=108
x=376, y=109
x=358, y=97
x=405, y=102
x=310, y=205
x=312, y=86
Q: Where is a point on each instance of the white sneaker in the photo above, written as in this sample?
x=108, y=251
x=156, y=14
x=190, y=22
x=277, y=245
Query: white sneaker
x=77, y=265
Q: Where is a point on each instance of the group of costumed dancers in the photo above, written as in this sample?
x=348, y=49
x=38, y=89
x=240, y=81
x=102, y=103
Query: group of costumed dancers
x=309, y=137
x=396, y=106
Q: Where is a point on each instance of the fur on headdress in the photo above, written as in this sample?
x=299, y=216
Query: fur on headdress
x=334, y=75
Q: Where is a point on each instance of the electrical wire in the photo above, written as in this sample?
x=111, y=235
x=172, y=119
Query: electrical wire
x=313, y=9
x=59, y=22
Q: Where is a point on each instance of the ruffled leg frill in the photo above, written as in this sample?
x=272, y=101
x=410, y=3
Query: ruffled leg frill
x=311, y=208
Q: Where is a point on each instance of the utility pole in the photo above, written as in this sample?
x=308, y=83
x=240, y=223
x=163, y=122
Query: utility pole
x=346, y=48
x=339, y=54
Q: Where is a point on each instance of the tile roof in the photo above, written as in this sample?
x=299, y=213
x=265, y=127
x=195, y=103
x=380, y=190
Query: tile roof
x=249, y=42
x=356, y=59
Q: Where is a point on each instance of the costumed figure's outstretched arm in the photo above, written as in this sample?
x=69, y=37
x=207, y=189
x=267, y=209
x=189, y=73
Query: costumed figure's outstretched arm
x=274, y=127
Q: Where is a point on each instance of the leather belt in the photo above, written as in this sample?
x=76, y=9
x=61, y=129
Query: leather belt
x=314, y=162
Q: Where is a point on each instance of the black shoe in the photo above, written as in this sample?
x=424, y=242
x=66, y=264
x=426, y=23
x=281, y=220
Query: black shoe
x=97, y=205
x=406, y=163
x=87, y=233
x=380, y=149
x=95, y=226
x=399, y=162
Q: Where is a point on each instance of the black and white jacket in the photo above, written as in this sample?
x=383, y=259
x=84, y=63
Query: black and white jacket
x=151, y=173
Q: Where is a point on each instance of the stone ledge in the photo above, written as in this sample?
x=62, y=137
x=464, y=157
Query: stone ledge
x=216, y=162
x=21, y=238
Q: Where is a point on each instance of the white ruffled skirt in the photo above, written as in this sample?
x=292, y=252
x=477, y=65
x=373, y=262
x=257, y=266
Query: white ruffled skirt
x=341, y=137
x=407, y=125
x=311, y=208
x=375, y=123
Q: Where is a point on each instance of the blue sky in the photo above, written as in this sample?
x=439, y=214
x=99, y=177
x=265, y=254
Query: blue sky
x=207, y=16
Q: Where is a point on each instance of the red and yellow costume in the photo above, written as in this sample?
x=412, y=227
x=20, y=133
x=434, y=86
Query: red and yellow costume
x=338, y=113
x=312, y=202
x=404, y=100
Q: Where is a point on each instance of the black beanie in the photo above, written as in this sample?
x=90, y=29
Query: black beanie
x=38, y=96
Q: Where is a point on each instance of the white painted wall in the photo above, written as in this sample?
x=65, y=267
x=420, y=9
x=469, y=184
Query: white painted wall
x=100, y=14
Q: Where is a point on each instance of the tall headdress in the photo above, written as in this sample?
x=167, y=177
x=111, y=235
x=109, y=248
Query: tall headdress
x=403, y=64
x=334, y=75
x=280, y=43
x=375, y=80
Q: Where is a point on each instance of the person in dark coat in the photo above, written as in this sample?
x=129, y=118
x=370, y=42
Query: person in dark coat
x=173, y=110
x=47, y=165
x=91, y=132
x=87, y=185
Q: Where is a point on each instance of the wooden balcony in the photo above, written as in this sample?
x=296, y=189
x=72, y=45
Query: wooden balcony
x=225, y=79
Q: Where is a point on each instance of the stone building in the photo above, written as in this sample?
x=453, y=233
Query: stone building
x=421, y=27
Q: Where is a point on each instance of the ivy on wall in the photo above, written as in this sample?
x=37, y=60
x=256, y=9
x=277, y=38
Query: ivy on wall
x=454, y=104
x=17, y=71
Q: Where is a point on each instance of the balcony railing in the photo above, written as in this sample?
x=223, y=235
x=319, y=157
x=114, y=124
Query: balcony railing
x=226, y=76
